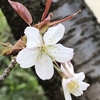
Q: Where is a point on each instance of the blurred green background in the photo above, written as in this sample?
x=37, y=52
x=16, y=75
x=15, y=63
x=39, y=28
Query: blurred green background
x=21, y=84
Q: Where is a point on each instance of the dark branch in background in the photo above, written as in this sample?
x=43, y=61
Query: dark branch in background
x=8, y=69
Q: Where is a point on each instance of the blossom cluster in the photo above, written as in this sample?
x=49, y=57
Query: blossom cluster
x=39, y=47
x=42, y=51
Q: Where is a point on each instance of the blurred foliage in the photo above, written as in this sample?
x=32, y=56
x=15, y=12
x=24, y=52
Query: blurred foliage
x=21, y=84
x=4, y=28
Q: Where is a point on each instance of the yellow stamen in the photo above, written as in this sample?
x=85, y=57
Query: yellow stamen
x=72, y=86
x=46, y=60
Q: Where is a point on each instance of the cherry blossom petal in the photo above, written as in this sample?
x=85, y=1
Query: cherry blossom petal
x=61, y=53
x=71, y=69
x=54, y=34
x=83, y=85
x=44, y=67
x=66, y=92
x=33, y=37
x=27, y=57
x=80, y=76
x=67, y=69
x=64, y=70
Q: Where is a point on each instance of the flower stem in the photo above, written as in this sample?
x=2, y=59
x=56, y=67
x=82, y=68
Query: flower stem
x=56, y=64
x=58, y=70
x=57, y=67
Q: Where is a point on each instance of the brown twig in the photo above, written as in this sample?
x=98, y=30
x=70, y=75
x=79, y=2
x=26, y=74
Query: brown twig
x=8, y=69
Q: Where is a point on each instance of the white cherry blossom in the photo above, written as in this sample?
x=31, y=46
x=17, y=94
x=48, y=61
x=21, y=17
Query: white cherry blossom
x=72, y=83
x=42, y=50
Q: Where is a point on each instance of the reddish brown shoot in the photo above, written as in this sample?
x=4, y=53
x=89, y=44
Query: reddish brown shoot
x=48, y=4
x=62, y=20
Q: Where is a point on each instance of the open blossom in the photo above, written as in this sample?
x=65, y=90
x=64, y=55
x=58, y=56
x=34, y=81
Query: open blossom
x=72, y=83
x=42, y=50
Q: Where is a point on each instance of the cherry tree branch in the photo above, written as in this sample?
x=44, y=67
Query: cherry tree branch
x=8, y=69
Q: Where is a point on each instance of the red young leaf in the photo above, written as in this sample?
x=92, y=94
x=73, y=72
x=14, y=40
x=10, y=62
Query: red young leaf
x=22, y=11
x=62, y=20
x=48, y=4
x=43, y=26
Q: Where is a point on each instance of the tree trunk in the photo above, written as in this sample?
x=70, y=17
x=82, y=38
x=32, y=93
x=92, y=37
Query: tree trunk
x=82, y=34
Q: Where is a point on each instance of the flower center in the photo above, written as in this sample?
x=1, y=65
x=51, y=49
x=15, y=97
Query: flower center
x=43, y=48
x=72, y=86
x=43, y=51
